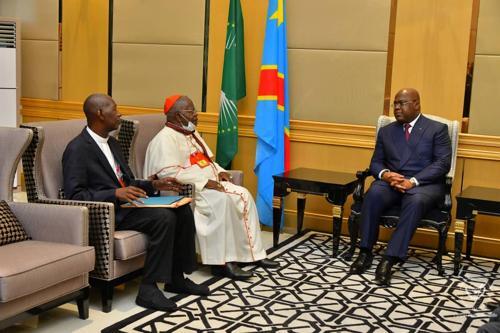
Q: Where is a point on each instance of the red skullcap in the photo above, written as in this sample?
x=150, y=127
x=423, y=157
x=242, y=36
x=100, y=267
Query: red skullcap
x=169, y=102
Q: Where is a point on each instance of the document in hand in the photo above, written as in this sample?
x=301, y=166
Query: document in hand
x=171, y=201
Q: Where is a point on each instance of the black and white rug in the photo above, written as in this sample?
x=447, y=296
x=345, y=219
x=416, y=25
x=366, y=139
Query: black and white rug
x=313, y=292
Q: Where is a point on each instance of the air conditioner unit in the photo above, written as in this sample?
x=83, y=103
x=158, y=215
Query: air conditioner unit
x=10, y=72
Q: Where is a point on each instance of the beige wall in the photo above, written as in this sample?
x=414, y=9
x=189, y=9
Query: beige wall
x=39, y=45
x=84, y=48
x=337, y=68
x=438, y=52
x=157, y=50
x=485, y=99
x=430, y=53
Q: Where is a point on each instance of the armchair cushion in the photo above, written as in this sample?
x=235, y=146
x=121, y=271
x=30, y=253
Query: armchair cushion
x=129, y=244
x=11, y=230
x=31, y=266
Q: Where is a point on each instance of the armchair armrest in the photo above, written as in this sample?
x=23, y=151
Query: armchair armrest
x=359, y=190
x=237, y=176
x=447, y=204
x=101, y=232
x=51, y=223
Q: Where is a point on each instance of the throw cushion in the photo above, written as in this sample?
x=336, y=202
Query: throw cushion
x=11, y=230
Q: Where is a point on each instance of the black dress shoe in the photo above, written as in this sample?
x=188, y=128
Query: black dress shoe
x=268, y=263
x=492, y=305
x=187, y=287
x=383, y=273
x=231, y=270
x=151, y=297
x=362, y=263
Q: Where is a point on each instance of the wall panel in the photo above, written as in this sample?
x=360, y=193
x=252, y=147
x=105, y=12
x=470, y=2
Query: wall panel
x=157, y=50
x=341, y=85
x=338, y=24
x=39, y=45
x=430, y=53
x=40, y=81
x=85, y=48
x=138, y=64
x=158, y=21
x=485, y=99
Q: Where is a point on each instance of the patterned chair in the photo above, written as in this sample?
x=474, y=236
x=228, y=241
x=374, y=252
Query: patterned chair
x=119, y=254
x=438, y=218
x=139, y=132
x=58, y=244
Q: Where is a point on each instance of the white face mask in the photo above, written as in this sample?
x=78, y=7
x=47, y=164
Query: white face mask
x=190, y=126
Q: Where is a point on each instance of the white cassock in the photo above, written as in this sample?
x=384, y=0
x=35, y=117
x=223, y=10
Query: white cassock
x=227, y=223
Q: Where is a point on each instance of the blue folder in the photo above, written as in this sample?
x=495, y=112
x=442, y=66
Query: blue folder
x=165, y=201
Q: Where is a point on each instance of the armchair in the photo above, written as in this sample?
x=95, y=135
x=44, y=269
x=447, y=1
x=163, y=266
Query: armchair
x=52, y=267
x=438, y=218
x=119, y=255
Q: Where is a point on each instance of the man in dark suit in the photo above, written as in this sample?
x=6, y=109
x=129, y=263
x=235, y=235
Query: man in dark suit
x=411, y=159
x=95, y=170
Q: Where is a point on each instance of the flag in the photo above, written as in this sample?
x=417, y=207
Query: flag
x=233, y=86
x=272, y=120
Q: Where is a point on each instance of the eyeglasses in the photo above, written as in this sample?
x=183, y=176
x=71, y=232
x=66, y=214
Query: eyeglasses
x=401, y=103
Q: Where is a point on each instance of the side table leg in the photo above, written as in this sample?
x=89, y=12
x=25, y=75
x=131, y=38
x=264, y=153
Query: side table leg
x=277, y=213
x=459, y=238
x=471, y=224
x=301, y=206
x=337, y=226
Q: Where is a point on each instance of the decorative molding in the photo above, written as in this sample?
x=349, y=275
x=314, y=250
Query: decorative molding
x=471, y=146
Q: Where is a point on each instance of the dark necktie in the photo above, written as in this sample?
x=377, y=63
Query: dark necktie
x=407, y=131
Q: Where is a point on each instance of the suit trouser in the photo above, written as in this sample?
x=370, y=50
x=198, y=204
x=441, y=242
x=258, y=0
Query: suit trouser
x=414, y=206
x=493, y=326
x=171, y=240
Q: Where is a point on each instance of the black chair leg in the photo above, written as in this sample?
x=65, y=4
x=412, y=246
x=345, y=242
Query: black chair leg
x=353, y=225
x=83, y=304
x=441, y=249
x=107, y=297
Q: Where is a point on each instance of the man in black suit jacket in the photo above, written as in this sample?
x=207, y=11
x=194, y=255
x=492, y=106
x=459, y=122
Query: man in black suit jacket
x=95, y=170
x=411, y=159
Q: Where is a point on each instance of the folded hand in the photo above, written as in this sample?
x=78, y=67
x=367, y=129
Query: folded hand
x=167, y=184
x=213, y=185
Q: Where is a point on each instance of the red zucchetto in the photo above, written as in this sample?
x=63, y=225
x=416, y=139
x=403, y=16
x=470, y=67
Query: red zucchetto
x=169, y=102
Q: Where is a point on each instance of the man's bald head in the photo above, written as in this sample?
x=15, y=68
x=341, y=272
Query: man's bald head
x=406, y=105
x=100, y=111
x=410, y=93
x=94, y=103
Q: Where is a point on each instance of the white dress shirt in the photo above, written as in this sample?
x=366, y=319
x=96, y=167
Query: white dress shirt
x=104, y=146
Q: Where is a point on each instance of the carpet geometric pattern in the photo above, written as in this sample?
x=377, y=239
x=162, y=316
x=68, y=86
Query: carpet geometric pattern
x=313, y=292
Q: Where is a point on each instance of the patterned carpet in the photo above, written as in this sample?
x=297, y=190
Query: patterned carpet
x=312, y=292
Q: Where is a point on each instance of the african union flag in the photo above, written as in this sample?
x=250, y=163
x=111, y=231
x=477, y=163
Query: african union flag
x=272, y=121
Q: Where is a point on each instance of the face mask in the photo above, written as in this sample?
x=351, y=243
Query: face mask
x=190, y=126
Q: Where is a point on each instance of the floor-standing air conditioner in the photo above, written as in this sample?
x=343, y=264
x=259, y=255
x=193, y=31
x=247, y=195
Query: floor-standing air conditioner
x=10, y=72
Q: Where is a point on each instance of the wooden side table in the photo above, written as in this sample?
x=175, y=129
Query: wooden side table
x=334, y=186
x=470, y=202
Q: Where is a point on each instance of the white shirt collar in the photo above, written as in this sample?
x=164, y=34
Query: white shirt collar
x=412, y=124
x=97, y=138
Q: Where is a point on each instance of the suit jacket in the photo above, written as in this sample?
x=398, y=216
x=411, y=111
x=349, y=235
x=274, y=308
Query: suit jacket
x=88, y=176
x=426, y=156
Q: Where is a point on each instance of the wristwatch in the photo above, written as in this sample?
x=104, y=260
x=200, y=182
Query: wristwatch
x=413, y=181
